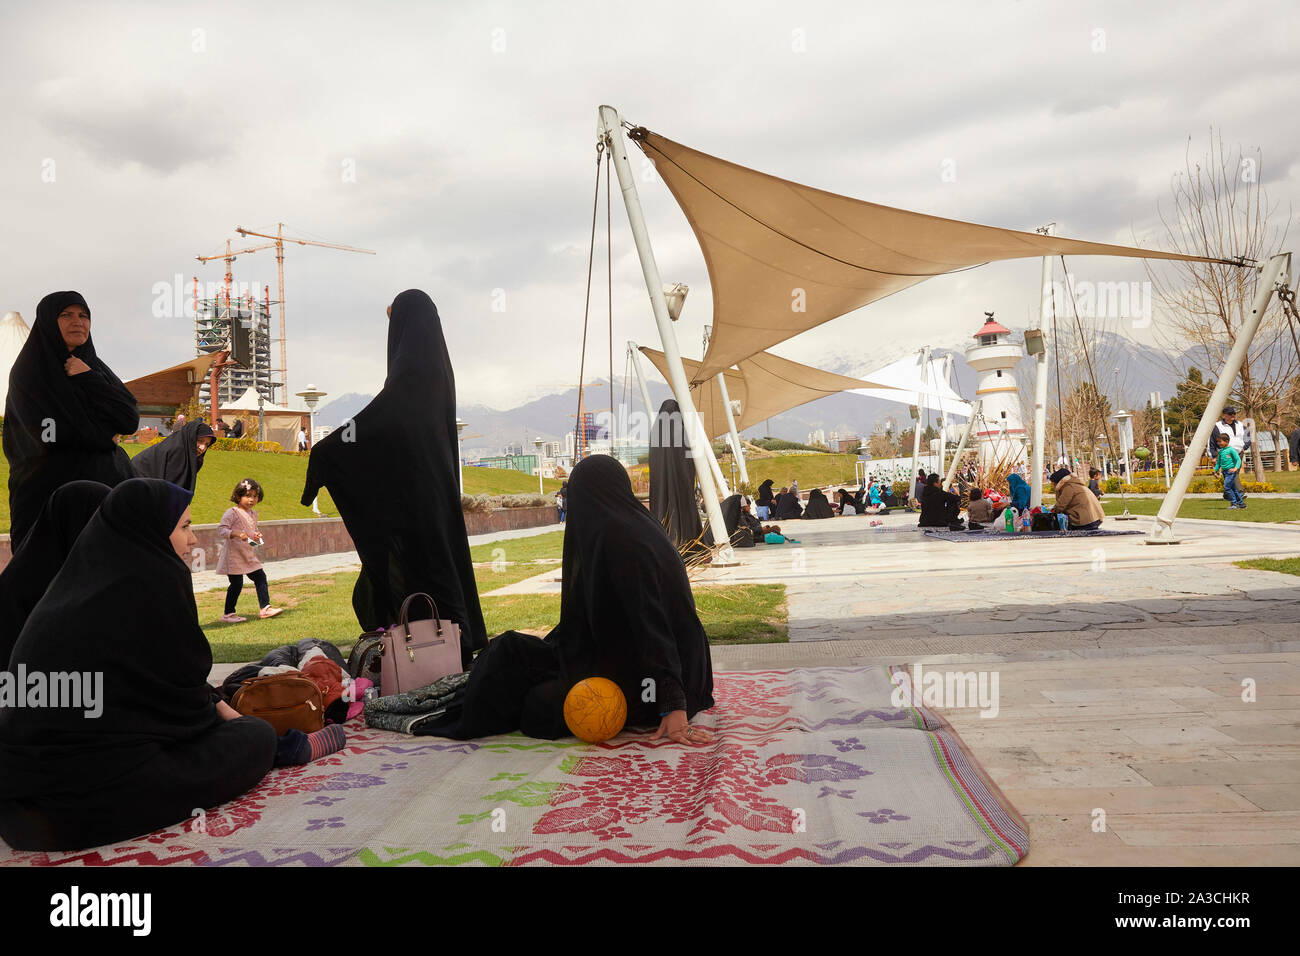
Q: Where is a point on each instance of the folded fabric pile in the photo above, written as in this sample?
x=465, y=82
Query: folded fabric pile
x=413, y=711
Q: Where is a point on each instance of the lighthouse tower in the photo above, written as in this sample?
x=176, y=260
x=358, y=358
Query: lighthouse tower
x=1001, y=433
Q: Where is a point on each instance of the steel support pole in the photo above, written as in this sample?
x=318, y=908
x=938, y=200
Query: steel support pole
x=611, y=128
x=961, y=445
x=736, y=448
x=1276, y=270
x=1040, y=385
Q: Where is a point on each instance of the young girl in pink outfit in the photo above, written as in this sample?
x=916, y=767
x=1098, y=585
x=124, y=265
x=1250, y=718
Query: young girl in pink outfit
x=239, y=529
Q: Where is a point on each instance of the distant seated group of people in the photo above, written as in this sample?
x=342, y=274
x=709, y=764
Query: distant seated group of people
x=1074, y=500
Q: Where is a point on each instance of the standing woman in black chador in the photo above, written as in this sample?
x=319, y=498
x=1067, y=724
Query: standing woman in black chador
x=394, y=473
x=154, y=742
x=64, y=409
x=672, y=481
x=626, y=614
x=178, y=457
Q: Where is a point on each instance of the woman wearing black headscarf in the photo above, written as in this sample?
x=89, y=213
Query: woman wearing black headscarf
x=33, y=567
x=737, y=530
x=765, y=498
x=178, y=457
x=393, y=471
x=150, y=743
x=672, y=480
x=63, y=411
x=848, y=503
x=818, y=506
x=626, y=614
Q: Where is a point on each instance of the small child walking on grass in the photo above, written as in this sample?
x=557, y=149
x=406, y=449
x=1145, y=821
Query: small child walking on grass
x=239, y=529
x=1229, y=463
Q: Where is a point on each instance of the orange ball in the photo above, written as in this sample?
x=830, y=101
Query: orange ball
x=595, y=710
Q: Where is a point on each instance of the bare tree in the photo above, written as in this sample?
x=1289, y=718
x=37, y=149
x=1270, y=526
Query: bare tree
x=1220, y=210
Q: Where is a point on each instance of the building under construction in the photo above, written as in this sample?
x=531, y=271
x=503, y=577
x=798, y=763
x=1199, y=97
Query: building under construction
x=241, y=324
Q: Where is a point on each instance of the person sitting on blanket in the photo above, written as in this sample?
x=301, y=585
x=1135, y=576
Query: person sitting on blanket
x=939, y=508
x=772, y=535
x=818, y=506
x=626, y=614
x=1076, y=502
x=847, y=503
x=980, y=510
x=747, y=520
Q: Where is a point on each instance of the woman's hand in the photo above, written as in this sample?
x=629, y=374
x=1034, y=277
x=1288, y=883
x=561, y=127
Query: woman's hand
x=679, y=729
x=75, y=366
x=226, y=711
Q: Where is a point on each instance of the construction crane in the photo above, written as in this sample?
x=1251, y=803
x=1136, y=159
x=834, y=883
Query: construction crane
x=280, y=239
x=230, y=257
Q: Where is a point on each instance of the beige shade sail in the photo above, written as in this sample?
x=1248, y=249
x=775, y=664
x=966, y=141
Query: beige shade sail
x=784, y=258
x=767, y=385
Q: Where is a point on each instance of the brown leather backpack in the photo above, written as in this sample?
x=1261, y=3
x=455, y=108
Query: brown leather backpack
x=285, y=701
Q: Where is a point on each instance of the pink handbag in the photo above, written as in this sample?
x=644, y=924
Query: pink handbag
x=416, y=653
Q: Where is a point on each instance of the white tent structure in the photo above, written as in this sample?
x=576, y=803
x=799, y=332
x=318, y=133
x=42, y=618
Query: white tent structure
x=13, y=333
x=281, y=423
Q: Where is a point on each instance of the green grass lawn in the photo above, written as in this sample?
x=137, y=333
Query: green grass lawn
x=321, y=606
x=1258, y=509
x=811, y=471
x=282, y=477
x=1284, y=565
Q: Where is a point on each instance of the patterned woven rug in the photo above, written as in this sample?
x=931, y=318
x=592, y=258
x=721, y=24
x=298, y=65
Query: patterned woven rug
x=1001, y=534
x=809, y=766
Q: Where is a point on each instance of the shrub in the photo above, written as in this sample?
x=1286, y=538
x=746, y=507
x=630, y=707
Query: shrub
x=901, y=489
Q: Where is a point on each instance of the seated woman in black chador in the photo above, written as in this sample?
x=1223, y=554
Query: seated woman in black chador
x=626, y=614
x=64, y=409
x=148, y=743
x=939, y=508
x=818, y=506
x=178, y=457
x=787, y=505
x=25, y=578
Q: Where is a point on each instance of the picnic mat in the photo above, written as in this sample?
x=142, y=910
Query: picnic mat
x=1001, y=534
x=809, y=766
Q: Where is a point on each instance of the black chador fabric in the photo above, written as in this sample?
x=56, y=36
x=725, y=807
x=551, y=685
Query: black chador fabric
x=846, y=499
x=737, y=530
x=176, y=458
x=787, y=506
x=939, y=508
x=626, y=614
x=672, y=478
x=59, y=427
x=755, y=526
x=765, y=493
x=818, y=506
x=393, y=472
x=25, y=578
x=158, y=748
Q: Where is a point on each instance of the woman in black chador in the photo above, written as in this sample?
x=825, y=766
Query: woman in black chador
x=24, y=580
x=626, y=614
x=672, y=481
x=142, y=748
x=178, y=457
x=818, y=506
x=394, y=473
x=64, y=409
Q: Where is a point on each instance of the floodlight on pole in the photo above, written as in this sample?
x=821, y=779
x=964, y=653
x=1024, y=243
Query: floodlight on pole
x=675, y=295
x=311, y=397
x=538, y=443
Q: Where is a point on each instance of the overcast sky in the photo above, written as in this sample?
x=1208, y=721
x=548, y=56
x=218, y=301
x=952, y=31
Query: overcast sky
x=138, y=136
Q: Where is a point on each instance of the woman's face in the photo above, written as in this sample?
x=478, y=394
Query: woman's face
x=182, y=537
x=74, y=326
x=202, y=445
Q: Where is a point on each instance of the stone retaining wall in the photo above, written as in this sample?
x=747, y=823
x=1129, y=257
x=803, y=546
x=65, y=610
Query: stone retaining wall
x=300, y=538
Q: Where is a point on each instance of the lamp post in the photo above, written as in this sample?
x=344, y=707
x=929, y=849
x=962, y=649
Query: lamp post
x=538, y=443
x=460, y=454
x=311, y=397
x=1123, y=425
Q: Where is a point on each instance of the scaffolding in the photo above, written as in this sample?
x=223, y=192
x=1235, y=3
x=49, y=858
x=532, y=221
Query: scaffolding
x=213, y=319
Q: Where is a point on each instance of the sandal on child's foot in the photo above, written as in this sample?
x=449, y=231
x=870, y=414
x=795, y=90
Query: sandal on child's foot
x=232, y=619
x=269, y=611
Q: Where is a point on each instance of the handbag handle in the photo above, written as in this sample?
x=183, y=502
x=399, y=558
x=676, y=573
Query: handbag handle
x=402, y=614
